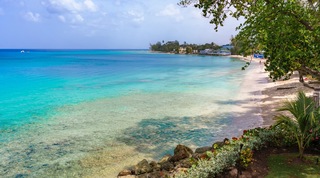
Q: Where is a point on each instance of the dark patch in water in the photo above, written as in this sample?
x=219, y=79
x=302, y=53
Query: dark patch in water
x=30, y=150
x=21, y=175
x=160, y=136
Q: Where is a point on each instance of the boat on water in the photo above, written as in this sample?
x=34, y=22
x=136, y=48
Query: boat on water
x=22, y=51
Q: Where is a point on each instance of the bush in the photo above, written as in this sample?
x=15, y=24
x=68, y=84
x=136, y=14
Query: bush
x=227, y=155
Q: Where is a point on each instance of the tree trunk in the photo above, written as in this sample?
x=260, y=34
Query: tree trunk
x=301, y=76
x=301, y=150
x=307, y=70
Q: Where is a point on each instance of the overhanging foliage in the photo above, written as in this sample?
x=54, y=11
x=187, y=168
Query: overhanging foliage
x=288, y=31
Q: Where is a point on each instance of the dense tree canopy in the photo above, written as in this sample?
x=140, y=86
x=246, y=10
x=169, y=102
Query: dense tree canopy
x=170, y=46
x=288, y=31
x=174, y=46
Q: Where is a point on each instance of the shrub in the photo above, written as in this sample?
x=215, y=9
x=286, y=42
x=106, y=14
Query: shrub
x=304, y=122
x=246, y=157
x=227, y=155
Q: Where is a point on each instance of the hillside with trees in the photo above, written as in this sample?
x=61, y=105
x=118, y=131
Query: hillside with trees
x=184, y=48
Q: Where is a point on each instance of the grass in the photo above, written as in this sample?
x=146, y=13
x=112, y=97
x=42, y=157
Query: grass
x=289, y=166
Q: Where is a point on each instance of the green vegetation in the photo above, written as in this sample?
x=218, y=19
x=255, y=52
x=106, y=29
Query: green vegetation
x=302, y=129
x=237, y=45
x=246, y=157
x=232, y=152
x=284, y=166
x=304, y=123
x=287, y=31
x=170, y=46
x=185, y=48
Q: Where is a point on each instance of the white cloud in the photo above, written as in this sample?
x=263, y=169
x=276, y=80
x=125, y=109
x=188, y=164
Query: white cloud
x=62, y=18
x=90, y=5
x=77, y=18
x=171, y=11
x=73, y=11
x=69, y=6
x=137, y=17
x=34, y=17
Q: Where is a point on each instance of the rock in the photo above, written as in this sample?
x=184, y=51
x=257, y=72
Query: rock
x=168, y=166
x=203, y=149
x=182, y=147
x=142, y=167
x=219, y=144
x=181, y=152
x=199, y=156
x=165, y=159
x=125, y=172
x=196, y=155
x=185, y=163
x=155, y=166
x=233, y=172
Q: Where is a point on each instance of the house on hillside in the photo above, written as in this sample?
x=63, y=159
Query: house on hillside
x=226, y=47
x=206, y=52
x=182, y=50
x=223, y=52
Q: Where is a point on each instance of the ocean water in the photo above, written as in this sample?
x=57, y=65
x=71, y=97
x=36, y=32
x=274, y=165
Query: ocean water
x=84, y=113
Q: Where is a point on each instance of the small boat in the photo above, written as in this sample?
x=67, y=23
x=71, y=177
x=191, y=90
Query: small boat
x=22, y=51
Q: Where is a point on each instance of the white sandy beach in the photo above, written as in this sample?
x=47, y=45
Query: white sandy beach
x=260, y=96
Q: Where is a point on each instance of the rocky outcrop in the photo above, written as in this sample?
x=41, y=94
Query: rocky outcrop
x=203, y=149
x=167, y=166
x=142, y=167
x=170, y=165
x=181, y=152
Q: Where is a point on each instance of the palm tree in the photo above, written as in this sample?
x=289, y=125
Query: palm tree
x=305, y=121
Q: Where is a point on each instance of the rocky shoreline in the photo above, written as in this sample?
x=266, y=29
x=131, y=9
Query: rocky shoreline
x=184, y=159
x=170, y=165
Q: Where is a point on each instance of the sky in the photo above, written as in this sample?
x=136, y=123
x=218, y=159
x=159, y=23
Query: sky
x=104, y=24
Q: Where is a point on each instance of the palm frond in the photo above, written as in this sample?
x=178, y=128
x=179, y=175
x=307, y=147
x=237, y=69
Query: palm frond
x=305, y=120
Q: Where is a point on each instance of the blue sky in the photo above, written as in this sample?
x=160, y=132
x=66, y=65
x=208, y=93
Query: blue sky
x=104, y=24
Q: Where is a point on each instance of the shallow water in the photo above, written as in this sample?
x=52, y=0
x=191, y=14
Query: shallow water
x=84, y=113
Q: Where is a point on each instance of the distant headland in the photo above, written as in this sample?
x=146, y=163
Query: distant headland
x=175, y=47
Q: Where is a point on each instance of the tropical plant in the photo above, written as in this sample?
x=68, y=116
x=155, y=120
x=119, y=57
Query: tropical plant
x=304, y=122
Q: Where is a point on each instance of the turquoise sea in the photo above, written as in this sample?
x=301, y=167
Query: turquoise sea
x=84, y=113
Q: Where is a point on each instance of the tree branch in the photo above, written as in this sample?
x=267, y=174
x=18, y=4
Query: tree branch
x=310, y=71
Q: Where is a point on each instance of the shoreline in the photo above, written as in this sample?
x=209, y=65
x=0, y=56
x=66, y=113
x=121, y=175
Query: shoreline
x=258, y=99
x=267, y=96
x=257, y=102
x=250, y=97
